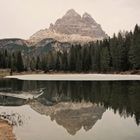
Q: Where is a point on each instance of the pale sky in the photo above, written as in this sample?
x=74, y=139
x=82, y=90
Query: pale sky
x=22, y=18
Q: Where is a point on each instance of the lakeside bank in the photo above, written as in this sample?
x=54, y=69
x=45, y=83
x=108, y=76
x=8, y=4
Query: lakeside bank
x=6, y=131
x=76, y=77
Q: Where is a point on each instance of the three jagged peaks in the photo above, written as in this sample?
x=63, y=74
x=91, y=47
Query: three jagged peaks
x=73, y=13
x=72, y=27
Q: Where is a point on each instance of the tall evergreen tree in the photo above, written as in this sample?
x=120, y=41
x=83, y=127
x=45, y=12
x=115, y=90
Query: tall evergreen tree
x=19, y=64
x=134, y=53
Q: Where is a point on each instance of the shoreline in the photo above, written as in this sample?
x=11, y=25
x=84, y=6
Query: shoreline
x=71, y=76
x=6, y=131
x=6, y=72
x=76, y=77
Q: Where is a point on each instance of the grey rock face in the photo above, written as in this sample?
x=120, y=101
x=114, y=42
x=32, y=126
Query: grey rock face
x=73, y=23
x=72, y=27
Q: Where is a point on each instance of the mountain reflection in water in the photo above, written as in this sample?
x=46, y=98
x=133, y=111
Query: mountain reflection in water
x=76, y=105
x=72, y=116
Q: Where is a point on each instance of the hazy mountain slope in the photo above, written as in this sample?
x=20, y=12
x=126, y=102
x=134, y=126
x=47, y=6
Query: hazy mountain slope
x=14, y=44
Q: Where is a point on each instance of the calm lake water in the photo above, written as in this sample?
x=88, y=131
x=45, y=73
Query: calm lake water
x=71, y=110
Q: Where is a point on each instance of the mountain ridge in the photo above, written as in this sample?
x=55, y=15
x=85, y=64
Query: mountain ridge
x=72, y=27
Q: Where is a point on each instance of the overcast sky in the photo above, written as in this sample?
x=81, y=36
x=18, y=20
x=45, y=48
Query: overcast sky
x=22, y=18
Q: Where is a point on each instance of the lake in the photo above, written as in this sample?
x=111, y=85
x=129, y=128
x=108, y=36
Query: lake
x=71, y=110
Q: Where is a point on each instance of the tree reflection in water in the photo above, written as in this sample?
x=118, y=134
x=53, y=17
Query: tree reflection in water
x=121, y=96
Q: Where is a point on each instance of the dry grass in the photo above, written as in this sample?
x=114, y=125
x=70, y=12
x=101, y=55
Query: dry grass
x=4, y=72
x=6, y=131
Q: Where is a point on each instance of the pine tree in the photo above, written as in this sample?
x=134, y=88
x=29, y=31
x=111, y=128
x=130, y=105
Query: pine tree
x=19, y=64
x=72, y=59
x=134, y=53
x=105, y=58
x=95, y=57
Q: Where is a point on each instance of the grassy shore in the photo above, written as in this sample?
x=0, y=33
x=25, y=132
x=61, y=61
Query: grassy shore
x=6, y=72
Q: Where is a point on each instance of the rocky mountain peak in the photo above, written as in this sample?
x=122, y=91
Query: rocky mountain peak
x=87, y=18
x=71, y=13
x=72, y=27
x=86, y=15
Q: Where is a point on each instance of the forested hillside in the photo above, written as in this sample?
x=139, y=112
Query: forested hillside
x=116, y=54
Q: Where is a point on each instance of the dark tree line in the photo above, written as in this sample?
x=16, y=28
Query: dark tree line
x=13, y=60
x=119, y=53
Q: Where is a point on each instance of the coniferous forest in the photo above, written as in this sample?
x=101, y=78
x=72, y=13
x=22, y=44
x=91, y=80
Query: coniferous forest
x=116, y=54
